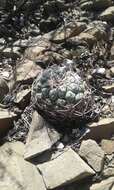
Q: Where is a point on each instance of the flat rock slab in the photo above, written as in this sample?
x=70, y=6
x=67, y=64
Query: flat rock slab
x=66, y=168
x=103, y=185
x=93, y=154
x=14, y=147
x=25, y=71
x=40, y=139
x=18, y=174
x=103, y=129
x=108, y=14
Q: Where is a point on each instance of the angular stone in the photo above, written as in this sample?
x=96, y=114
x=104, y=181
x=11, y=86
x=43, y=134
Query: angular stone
x=108, y=14
x=108, y=172
x=107, y=146
x=103, y=185
x=93, y=154
x=87, y=5
x=90, y=39
x=112, y=70
x=97, y=29
x=18, y=174
x=109, y=88
x=96, y=4
x=12, y=52
x=48, y=58
x=102, y=3
x=37, y=48
x=112, y=53
x=65, y=169
x=109, y=169
x=16, y=147
x=27, y=70
x=103, y=129
x=4, y=89
x=40, y=139
x=99, y=71
x=73, y=29
x=23, y=98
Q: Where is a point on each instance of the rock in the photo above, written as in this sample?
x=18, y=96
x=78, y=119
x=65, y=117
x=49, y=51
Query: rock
x=4, y=89
x=90, y=39
x=98, y=29
x=65, y=169
x=48, y=58
x=106, y=110
x=87, y=5
x=38, y=47
x=16, y=173
x=54, y=135
x=72, y=29
x=36, y=145
x=108, y=172
x=60, y=146
x=5, y=75
x=93, y=154
x=13, y=52
x=15, y=147
x=35, y=142
x=96, y=5
x=103, y=185
x=22, y=43
x=112, y=52
x=104, y=128
x=112, y=71
x=99, y=71
x=112, y=99
x=6, y=121
x=108, y=88
x=109, y=168
x=100, y=4
x=107, y=146
x=23, y=98
x=25, y=71
x=108, y=14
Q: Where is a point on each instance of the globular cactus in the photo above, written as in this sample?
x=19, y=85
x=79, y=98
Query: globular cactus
x=61, y=95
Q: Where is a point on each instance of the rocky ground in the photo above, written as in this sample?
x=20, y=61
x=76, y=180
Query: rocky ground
x=35, y=154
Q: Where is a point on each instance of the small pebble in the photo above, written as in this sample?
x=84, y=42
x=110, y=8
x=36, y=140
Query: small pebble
x=60, y=146
x=100, y=71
